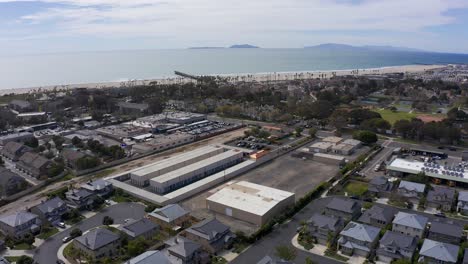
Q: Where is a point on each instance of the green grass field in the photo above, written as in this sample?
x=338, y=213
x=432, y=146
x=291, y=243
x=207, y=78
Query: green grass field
x=356, y=188
x=392, y=117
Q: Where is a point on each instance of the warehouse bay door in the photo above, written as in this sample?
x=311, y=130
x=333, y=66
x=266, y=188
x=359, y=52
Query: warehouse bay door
x=228, y=211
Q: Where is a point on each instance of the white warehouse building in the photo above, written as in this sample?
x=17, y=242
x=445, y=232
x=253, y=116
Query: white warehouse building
x=176, y=179
x=250, y=202
x=142, y=176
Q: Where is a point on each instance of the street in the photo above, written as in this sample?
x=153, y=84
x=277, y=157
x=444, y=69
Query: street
x=47, y=252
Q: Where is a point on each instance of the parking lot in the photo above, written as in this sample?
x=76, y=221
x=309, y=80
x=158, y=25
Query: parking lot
x=286, y=173
x=204, y=127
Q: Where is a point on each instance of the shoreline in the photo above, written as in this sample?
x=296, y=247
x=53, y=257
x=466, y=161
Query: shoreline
x=235, y=77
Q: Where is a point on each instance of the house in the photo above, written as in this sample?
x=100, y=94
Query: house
x=99, y=187
x=378, y=216
x=19, y=224
x=14, y=150
x=448, y=232
x=185, y=251
x=380, y=186
x=71, y=157
x=10, y=183
x=34, y=164
x=394, y=246
x=358, y=239
x=211, y=234
x=441, y=197
x=462, y=205
x=139, y=228
x=170, y=216
x=80, y=199
x=410, y=224
x=344, y=208
x=273, y=260
x=320, y=147
x=411, y=190
x=51, y=211
x=434, y=252
x=324, y=228
x=149, y=257
x=20, y=105
x=98, y=243
x=465, y=256
x=132, y=108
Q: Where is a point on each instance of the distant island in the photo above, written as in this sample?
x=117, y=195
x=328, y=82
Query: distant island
x=243, y=46
x=236, y=46
x=345, y=47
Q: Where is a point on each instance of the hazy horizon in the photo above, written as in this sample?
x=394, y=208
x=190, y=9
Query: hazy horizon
x=45, y=26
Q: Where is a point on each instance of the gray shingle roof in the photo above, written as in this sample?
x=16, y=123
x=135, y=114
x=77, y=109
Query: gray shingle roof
x=150, y=257
x=183, y=246
x=50, y=205
x=379, y=180
x=209, y=228
x=392, y=238
x=138, y=227
x=411, y=220
x=412, y=186
x=344, y=205
x=7, y=175
x=379, y=213
x=18, y=218
x=97, y=238
x=463, y=196
x=34, y=160
x=440, y=251
x=323, y=221
x=169, y=212
x=13, y=147
x=72, y=155
x=96, y=185
x=269, y=260
x=360, y=232
x=450, y=229
x=445, y=193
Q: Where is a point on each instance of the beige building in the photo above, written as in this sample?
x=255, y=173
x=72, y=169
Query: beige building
x=320, y=147
x=333, y=140
x=250, y=202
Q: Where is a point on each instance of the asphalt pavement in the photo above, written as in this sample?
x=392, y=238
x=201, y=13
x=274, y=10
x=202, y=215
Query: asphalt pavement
x=47, y=252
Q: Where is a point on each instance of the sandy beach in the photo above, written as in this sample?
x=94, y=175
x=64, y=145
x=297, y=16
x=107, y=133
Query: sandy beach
x=244, y=77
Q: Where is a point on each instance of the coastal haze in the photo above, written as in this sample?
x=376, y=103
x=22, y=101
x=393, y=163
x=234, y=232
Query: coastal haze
x=28, y=71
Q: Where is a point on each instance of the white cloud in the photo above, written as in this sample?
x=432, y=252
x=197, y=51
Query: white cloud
x=225, y=19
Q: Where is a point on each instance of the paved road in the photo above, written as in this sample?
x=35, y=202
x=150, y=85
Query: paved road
x=283, y=236
x=47, y=252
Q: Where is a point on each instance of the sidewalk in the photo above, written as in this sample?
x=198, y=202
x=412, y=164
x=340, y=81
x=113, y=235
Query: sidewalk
x=60, y=253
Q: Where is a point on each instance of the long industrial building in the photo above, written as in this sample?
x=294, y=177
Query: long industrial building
x=142, y=176
x=250, y=202
x=178, y=178
x=399, y=167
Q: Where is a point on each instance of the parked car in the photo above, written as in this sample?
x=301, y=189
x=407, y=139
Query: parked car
x=61, y=225
x=66, y=239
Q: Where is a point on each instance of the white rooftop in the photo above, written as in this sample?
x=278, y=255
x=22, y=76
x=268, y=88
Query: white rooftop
x=249, y=197
x=145, y=170
x=195, y=166
x=430, y=169
x=322, y=145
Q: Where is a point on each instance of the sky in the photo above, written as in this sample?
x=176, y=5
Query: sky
x=45, y=26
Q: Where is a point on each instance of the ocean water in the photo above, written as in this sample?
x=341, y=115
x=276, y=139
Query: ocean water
x=90, y=67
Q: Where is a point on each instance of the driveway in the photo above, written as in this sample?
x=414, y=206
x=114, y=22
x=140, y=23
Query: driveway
x=47, y=252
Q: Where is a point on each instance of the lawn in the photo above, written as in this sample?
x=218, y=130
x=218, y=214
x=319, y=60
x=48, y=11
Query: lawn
x=49, y=233
x=392, y=117
x=356, y=188
x=23, y=246
x=12, y=258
